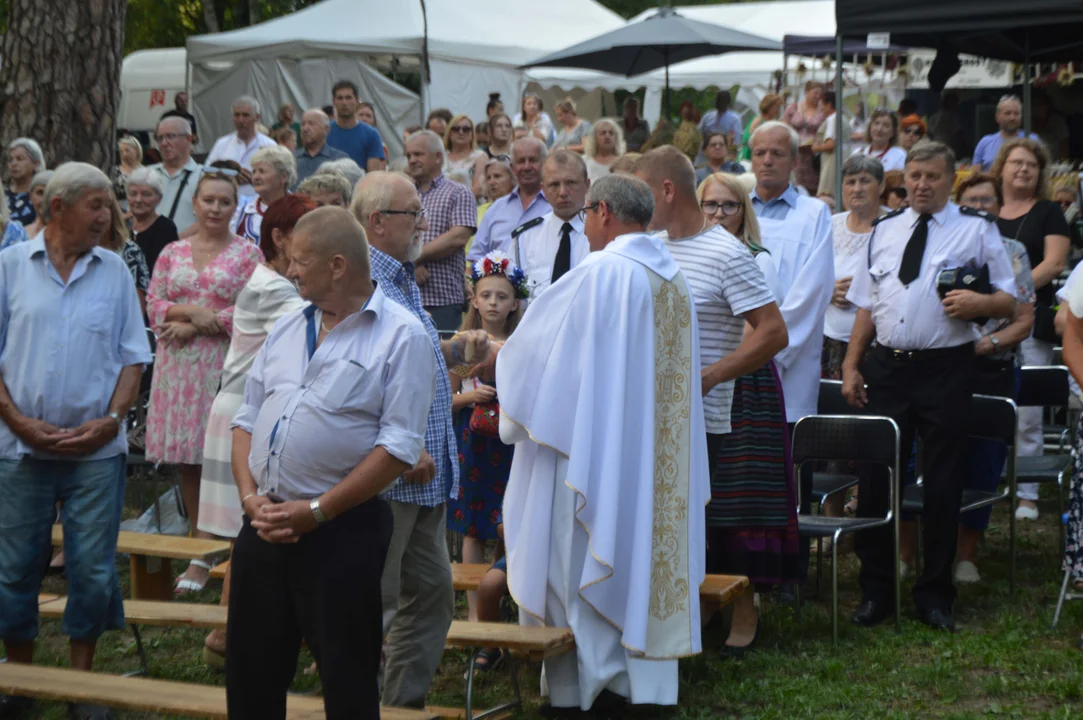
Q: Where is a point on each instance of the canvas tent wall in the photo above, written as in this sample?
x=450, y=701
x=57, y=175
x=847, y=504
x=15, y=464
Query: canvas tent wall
x=148, y=81
x=474, y=47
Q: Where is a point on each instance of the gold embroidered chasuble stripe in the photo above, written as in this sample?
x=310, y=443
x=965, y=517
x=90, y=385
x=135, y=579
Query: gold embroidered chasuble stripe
x=670, y=625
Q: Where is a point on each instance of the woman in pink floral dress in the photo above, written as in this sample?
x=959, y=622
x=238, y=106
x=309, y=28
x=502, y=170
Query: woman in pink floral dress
x=190, y=304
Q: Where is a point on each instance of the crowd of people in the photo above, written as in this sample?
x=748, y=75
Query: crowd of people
x=554, y=338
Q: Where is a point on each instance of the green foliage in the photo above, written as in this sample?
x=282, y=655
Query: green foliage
x=169, y=23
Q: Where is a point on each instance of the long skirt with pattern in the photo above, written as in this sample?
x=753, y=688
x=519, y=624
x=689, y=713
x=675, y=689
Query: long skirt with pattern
x=484, y=467
x=752, y=516
x=1073, y=549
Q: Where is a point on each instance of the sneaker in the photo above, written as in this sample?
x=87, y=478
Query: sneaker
x=1026, y=513
x=966, y=572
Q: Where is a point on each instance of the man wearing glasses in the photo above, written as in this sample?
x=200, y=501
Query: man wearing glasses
x=178, y=171
x=1009, y=119
x=549, y=246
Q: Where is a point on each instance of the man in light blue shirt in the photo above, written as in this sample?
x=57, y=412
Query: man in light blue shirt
x=72, y=352
x=1009, y=118
x=525, y=203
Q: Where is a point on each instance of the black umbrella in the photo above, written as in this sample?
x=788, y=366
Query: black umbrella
x=657, y=41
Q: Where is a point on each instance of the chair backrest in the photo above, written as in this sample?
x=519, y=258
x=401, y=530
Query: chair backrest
x=831, y=401
x=992, y=418
x=852, y=438
x=1044, y=387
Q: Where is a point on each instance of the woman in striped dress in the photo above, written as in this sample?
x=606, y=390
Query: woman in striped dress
x=266, y=297
x=752, y=516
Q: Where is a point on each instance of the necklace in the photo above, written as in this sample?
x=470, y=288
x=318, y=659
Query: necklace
x=323, y=326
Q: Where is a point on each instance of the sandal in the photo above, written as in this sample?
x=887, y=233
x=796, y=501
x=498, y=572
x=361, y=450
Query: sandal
x=488, y=659
x=185, y=586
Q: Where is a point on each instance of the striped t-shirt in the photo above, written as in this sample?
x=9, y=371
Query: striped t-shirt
x=725, y=283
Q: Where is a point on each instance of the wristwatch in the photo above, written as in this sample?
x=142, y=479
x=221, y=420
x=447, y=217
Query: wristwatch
x=317, y=513
x=116, y=416
x=996, y=343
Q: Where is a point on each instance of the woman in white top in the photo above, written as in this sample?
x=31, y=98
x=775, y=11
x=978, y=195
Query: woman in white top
x=265, y=298
x=572, y=127
x=602, y=147
x=274, y=172
x=881, y=141
x=535, y=120
x=862, y=183
x=463, y=155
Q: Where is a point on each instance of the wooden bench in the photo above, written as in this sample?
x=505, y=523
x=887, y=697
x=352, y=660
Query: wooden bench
x=152, y=571
x=717, y=590
x=155, y=696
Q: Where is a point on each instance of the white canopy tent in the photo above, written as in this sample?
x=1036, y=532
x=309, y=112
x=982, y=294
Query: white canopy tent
x=474, y=47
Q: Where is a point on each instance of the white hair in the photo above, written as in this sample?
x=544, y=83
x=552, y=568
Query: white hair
x=543, y=151
x=177, y=119
x=433, y=142
x=32, y=149
x=248, y=100
x=1009, y=99
x=345, y=167
x=42, y=178
x=327, y=182
x=146, y=177
x=590, y=143
x=321, y=113
x=70, y=182
x=131, y=141
x=795, y=139
x=280, y=159
x=374, y=194
x=629, y=198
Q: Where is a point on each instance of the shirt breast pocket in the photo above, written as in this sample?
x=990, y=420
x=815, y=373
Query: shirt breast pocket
x=97, y=316
x=351, y=387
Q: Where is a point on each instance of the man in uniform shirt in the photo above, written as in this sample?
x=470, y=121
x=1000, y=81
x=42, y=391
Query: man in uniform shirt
x=523, y=204
x=920, y=371
x=549, y=246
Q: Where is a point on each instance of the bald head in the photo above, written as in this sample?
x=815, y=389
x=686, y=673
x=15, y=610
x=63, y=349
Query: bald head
x=668, y=163
x=334, y=231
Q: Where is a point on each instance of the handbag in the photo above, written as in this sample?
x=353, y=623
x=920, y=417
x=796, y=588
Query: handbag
x=485, y=419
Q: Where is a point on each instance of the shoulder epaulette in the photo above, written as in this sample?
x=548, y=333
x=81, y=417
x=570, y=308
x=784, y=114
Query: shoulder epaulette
x=893, y=213
x=974, y=212
x=526, y=226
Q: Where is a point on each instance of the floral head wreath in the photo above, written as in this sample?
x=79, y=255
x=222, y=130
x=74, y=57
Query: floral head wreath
x=496, y=263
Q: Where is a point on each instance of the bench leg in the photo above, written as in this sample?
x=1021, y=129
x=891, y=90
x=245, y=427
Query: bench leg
x=143, y=670
x=152, y=578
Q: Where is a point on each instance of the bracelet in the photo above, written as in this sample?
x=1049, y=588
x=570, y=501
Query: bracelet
x=246, y=498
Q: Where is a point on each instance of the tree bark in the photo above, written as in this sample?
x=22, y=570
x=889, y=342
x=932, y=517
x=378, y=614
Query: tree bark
x=60, y=78
x=210, y=16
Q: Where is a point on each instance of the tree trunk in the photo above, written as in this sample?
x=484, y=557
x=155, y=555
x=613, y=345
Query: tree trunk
x=210, y=16
x=255, y=12
x=60, y=79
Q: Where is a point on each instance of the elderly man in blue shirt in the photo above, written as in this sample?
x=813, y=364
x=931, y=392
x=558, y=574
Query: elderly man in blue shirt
x=418, y=594
x=72, y=352
x=1009, y=117
x=334, y=411
x=524, y=205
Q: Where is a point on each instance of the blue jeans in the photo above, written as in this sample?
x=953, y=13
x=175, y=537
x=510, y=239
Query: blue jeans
x=91, y=494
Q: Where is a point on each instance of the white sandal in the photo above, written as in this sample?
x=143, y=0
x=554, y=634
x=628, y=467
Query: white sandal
x=185, y=586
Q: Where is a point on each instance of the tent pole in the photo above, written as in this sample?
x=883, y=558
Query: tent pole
x=839, y=106
x=1027, y=95
x=668, y=112
x=425, y=69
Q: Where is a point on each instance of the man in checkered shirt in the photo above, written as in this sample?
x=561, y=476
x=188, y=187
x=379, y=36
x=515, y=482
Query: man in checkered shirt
x=452, y=216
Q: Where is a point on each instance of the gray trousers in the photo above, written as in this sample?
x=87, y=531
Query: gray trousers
x=446, y=318
x=418, y=602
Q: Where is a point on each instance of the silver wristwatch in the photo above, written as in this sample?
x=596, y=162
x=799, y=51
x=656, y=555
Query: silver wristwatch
x=317, y=513
x=116, y=416
x=996, y=343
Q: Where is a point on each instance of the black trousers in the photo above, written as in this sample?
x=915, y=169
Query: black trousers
x=929, y=396
x=324, y=589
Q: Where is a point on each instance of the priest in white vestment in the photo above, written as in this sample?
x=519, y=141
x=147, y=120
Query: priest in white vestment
x=604, y=509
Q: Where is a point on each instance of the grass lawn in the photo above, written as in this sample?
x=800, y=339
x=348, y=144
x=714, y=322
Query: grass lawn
x=1004, y=661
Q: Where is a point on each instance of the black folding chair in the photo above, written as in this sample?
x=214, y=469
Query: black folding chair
x=1046, y=387
x=852, y=438
x=991, y=418
x=827, y=484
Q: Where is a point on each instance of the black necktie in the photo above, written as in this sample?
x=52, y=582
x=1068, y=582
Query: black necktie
x=563, y=262
x=915, y=250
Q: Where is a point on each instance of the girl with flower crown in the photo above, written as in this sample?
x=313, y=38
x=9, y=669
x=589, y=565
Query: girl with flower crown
x=484, y=461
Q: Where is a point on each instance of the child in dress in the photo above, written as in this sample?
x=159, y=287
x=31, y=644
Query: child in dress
x=484, y=461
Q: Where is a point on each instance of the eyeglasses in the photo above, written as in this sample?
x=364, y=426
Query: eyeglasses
x=583, y=211
x=463, y=129
x=212, y=170
x=169, y=136
x=913, y=131
x=1066, y=203
x=417, y=215
x=728, y=208
x=985, y=202
x=502, y=158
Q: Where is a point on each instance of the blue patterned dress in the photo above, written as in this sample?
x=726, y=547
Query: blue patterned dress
x=484, y=467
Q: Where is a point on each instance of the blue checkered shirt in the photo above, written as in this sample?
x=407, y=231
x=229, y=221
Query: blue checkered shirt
x=397, y=282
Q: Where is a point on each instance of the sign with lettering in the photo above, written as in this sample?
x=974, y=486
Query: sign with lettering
x=976, y=72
